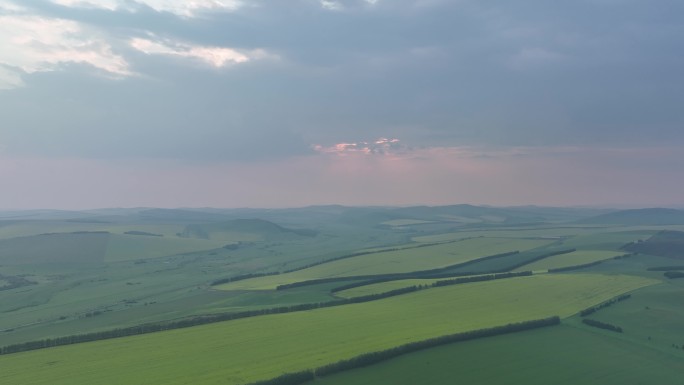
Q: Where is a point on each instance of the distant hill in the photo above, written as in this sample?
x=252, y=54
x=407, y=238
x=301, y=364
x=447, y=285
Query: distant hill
x=470, y=214
x=180, y=215
x=76, y=248
x=650, y=216
x=258, y=227
x=663, y=244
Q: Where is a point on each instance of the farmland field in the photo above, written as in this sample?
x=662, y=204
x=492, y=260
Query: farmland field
x=398, y=261
x=383, y=287
x=262, y=347
x=570, y=259
x=544, y=356
x=116, y=269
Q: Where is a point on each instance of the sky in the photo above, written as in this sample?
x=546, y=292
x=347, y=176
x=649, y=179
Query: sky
x=251, y=103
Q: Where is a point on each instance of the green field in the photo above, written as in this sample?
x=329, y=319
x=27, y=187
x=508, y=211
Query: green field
x=73, y=273
x=398, y=261
x=580, y=257
x=134, y=247
x=560, y=355
x=383, y=287
x=652, y=316
x=262, y=347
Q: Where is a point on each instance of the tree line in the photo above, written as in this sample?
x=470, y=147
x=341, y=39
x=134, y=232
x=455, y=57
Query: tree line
x=220, y=317
x=585, y=265
x=376, y=278
x=666, y=268
x=674, y=274
x=602, y=325
x=539, y=258
x=357, y=254
x=593, y=309
x=371, y=358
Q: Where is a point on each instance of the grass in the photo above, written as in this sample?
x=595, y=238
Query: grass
x=652, y=316
x=581, y=235
x=398, y=261
x=404, y=222
x=560, y=355
x=383, y=287
x=85, y=248
x=571, y=259
x=134, y=247
x=263, y=347
x=606, y=241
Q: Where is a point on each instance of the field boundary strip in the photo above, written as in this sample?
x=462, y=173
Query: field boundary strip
x=371, y=358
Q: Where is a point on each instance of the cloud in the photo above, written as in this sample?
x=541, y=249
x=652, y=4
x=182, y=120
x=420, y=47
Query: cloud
x=215, y=56
x=41, y=44
x=381, y=146
x=110, y=5
x=534, y=58
x=9, y=78
x=177, y=7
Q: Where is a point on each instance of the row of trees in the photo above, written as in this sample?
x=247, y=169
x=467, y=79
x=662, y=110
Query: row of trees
x=193, y=321
x=540, y=257
x=585, y=265
x=360, y=253
x=666, y=268
x=674, y=274
x=220, y=317
x=602, y=325
x=377, y=278
x=480, y=278
x=371, y=358
x=241, y=277
x=593, y=309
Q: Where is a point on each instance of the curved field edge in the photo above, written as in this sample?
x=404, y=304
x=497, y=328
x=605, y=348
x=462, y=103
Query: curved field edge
x=396, y=261
x=364, y=290
x=265, y=347
x=375, y=357
x=540, y=357
x=579, y=257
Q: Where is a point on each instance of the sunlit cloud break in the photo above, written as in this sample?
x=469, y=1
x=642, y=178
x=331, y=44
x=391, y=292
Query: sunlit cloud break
x=214, y=56
x=178, y=7
x=381, y=146
x=39, y=44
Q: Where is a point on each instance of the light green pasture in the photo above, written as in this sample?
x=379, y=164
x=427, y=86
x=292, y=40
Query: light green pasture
x=397, y=261
x=247, y=350
x=383, y=287
x=579, y=257
x=558, y=355
x=132, y=247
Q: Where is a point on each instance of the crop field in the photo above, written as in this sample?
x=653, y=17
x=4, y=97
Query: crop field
x=652, y=316
x=262, y=347
x=559, y=355
x=383, y=287
x=404, y=222
x=28, y=228
x=584, y=235
x=570, y=259
x=398, y=261
x=84, y=248
x=71, y=273
x=133, y=247
x=607, y=241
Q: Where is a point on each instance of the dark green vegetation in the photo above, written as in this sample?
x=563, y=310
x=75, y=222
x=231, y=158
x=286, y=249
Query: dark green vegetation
x=558, y=355
x=371, y=358
x=335, y=291
x=665, y=244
